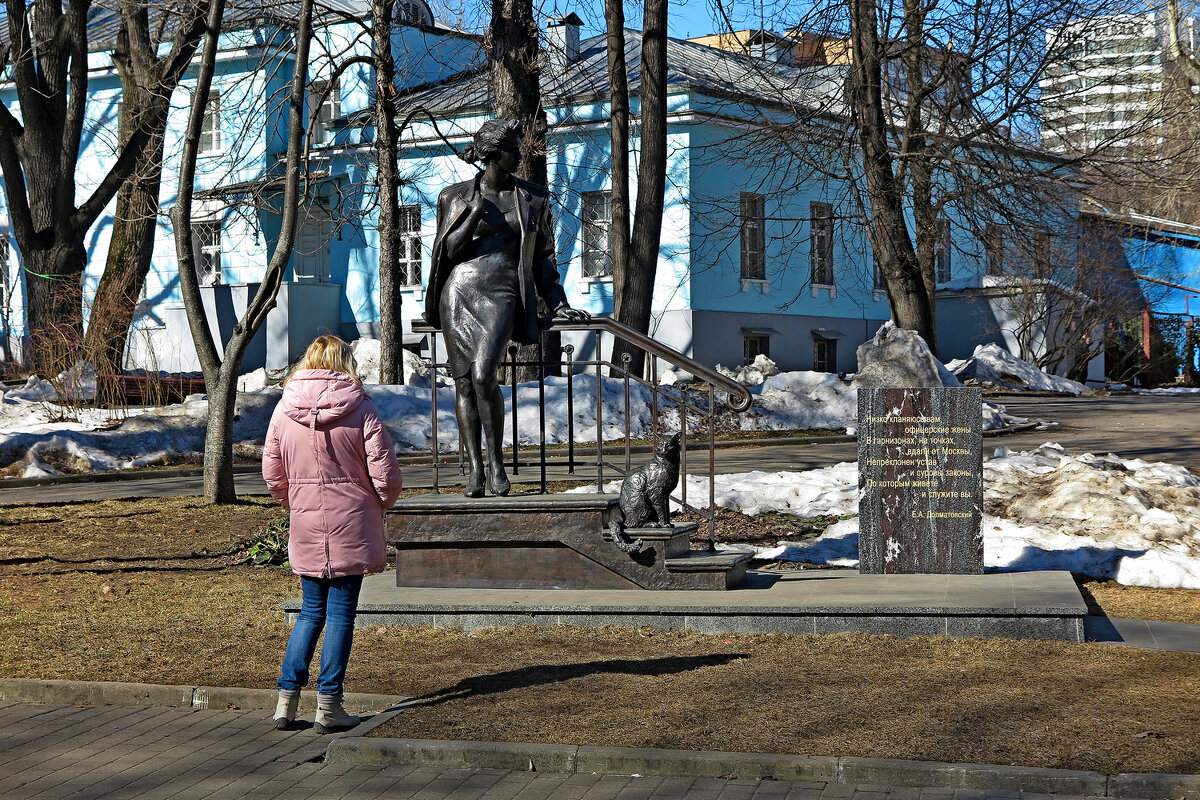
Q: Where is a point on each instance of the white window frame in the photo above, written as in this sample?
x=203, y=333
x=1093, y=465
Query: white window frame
x=207, y=251
x=329, y=109
x=210, y=129
x=409, y=257
x=821, y=244
x=753, y=236
x=595, y=211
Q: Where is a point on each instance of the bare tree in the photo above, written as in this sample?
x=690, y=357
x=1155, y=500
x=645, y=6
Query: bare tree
x=512, y=47
x=47, y=51
x=131, y=243
x=908, y=293
x=634, y=276
x=618, y=132
x=387, y=185
x=221, y=369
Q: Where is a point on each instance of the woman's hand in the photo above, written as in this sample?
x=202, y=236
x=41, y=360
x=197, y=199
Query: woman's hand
x=572, y=314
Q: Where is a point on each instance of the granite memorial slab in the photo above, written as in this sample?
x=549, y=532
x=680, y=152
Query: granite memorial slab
x=920, y=477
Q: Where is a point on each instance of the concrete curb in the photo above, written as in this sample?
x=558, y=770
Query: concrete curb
x=358, y=749
x=106, y=693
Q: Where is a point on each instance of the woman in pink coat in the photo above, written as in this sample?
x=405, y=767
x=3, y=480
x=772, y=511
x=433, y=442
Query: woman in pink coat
x=329, y=460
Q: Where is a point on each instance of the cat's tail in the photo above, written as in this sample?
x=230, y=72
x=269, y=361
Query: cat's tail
x=616, y=533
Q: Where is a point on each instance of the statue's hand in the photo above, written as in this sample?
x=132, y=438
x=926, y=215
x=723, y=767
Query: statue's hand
x=572, y=314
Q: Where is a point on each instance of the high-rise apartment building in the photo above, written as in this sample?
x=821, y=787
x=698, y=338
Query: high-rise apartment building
x=1109, y=82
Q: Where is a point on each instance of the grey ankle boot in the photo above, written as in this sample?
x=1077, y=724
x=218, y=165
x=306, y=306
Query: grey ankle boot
x=285, y=709
x=331, y=717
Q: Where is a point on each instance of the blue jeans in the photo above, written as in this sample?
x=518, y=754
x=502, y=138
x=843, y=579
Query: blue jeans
x=328, y=603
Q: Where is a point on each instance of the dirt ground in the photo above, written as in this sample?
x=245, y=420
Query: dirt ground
x=153, y=591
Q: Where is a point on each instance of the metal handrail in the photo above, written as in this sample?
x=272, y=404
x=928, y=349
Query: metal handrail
x=736, y=397
x=653, y=347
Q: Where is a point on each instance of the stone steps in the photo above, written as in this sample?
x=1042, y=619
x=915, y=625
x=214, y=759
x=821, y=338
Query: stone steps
x=542, y=541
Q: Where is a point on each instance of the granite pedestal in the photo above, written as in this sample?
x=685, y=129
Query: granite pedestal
x=1037, y=605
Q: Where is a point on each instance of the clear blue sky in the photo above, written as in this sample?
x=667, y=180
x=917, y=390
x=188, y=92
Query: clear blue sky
x=686, y=18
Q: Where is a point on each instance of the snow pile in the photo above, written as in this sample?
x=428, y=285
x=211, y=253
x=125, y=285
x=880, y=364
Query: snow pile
x=1134, y=521
x=993, y=367
x=166, y=433
x=898, y=357
x=785, y=401
x=751, y=374
x=802, y=400
x=366, y=356
x=1169, y=390
x=74, y=385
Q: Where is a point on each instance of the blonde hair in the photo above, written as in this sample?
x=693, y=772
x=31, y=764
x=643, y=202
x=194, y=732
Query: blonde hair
x=330, y=352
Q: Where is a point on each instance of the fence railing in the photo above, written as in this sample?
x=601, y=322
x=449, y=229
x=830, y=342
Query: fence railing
x=695, y=406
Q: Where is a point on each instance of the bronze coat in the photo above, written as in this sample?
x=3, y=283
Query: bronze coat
x=537, y=271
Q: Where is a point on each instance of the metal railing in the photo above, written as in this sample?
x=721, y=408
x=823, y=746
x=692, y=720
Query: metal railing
x=696, y=405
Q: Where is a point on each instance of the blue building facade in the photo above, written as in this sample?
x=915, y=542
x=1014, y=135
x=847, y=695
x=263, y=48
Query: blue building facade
x=760, y=253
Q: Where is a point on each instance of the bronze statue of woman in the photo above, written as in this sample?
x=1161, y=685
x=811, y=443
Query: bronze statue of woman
x=492, y=257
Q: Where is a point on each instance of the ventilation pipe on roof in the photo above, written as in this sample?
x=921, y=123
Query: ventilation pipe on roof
x=561, y=41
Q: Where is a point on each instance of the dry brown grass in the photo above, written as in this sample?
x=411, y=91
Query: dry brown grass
x=129, y=529
x=1046, y=704
x=1136, y=602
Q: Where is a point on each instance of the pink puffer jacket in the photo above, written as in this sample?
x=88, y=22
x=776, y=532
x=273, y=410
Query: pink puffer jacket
x=329, y=460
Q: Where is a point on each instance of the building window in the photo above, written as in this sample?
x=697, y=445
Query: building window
x=206, y=242
x=597, y=220
x=755, y=345
x=824, y=354
x=993, y=247
x=410, y=245
x=754, y=239
x=821, y=243
x=329, y=95
x=941, y=251
x=1042, y=254
x=210, y=129
x=3, y=278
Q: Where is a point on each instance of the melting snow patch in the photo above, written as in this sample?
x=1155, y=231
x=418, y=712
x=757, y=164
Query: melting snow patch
x=993, y=367
x=1134, y=521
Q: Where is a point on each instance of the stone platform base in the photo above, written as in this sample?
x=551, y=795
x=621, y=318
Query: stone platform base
x=1029, y=605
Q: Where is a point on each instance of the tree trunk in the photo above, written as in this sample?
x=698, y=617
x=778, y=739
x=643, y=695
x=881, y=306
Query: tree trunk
x=636, y=299
x=618, y=79
x=39, y=154
x=387, y=186
x=54, y=307
x=911, y=303
x=218, y=440
x=516, y=85
x=516, y=80
x=130, y=250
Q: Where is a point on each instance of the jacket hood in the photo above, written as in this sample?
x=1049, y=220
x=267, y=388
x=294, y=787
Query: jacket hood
x=332, y=395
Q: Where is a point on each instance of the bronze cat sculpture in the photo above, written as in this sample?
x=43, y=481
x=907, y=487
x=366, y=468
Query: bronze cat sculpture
x=646, y=494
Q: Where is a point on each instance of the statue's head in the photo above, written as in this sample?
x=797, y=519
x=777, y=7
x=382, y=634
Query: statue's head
x=497, y=140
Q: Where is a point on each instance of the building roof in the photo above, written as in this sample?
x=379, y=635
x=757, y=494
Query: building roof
x=690, y=65
x=104, y=18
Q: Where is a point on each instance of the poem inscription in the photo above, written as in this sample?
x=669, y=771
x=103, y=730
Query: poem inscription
x=920, y=464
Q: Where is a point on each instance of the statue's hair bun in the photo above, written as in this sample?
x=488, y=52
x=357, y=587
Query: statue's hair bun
x=468, y=155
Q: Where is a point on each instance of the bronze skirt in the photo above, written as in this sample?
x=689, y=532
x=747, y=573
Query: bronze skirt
x=479, y=306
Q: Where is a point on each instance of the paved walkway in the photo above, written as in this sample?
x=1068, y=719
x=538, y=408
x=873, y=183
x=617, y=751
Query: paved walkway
x=87, y=753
